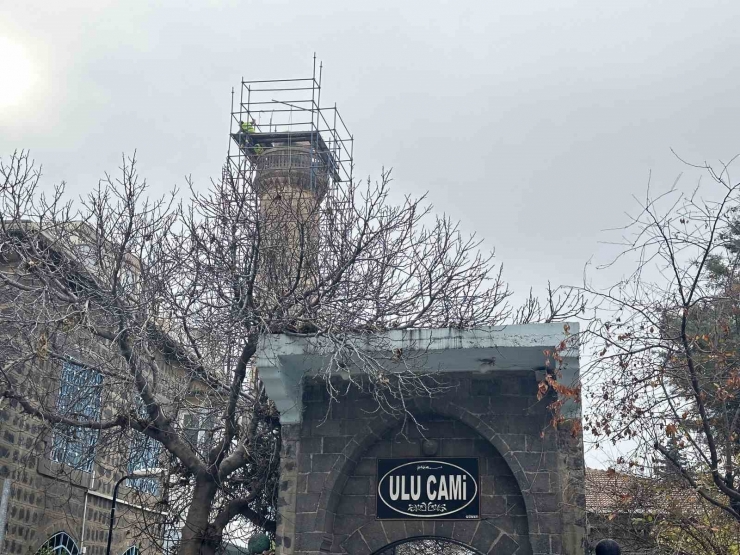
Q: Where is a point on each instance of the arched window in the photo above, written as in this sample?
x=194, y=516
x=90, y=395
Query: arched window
x=80, y=389
x=427, y=545
x=133, y=550
x=60, y=543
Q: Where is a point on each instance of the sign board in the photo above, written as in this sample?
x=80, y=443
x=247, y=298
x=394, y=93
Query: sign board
x=430, y=487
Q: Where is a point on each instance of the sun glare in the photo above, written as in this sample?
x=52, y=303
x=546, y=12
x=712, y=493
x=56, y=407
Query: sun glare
x=16, y=73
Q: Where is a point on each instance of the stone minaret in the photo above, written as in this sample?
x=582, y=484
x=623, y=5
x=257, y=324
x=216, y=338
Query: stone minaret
x=292, y=175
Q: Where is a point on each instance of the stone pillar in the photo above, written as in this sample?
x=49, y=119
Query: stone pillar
x=285, y=536
x=571, y=475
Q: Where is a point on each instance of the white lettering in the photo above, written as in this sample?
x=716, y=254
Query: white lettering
x=465, y=487
x=442, y=493
x=456, y=487
x=404, y=495
x=432, y=495
x=394, y=494
x=415, y=491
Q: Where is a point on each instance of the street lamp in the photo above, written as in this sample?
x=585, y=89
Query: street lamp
x=142, y=473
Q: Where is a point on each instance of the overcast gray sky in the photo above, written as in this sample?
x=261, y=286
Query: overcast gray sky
x=533, y=122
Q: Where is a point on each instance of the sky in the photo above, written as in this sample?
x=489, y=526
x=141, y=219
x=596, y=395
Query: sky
x=535, y=123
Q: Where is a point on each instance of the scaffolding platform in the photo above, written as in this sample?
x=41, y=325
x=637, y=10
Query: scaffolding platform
x=290, y=132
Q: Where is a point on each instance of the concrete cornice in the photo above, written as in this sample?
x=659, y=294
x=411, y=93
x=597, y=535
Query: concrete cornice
x=283, y=360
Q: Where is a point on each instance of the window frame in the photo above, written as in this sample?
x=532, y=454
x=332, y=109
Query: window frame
x=71, y=444
x=61, y=546
x=144, y=450
x=198, y=425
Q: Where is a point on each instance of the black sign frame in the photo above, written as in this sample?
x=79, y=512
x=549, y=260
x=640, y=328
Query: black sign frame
x=468, y=465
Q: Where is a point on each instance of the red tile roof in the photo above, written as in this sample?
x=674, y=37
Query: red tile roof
x=608, y=491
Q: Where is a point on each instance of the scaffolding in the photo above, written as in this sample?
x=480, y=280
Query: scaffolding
x=295, y=157
x=279, y=126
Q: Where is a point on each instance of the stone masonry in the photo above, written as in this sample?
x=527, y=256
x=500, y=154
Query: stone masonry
x=525, y=507
x=41, y=503
x=531, y=475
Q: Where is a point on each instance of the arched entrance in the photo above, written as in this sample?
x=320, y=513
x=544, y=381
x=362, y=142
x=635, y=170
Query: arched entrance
x=427, y=545
x=355, y=528
x=60, y=543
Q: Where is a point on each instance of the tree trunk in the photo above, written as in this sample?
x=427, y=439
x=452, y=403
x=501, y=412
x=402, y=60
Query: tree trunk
x=197, y=537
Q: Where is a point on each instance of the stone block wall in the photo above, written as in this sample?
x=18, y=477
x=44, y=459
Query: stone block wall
x=42, y=503
x=531, y=475
x=503, y=514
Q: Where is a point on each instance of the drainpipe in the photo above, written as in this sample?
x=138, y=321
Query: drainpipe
x=83, y=548
x=4, y=498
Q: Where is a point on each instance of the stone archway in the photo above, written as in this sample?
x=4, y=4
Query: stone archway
x=333, y=454
x=504, y=522
x=427, y=545
x=375, y=428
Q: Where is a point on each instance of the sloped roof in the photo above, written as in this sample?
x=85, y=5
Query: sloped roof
x=608, y=491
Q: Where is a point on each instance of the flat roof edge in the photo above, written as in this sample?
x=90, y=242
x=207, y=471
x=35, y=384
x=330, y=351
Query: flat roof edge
x=430, y=339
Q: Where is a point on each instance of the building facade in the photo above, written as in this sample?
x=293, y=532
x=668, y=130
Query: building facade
x=56, y=499
x=530, y=476
x=57, y=480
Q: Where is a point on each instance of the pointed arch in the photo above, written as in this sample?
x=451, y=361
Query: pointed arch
x=432, y=545
x=375, y=429
x=60, y=543
x=436, y=537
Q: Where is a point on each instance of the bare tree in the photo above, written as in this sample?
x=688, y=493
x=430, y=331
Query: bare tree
x=665, y=380
x=560, y=305
x=658, y=515
x=129, y=325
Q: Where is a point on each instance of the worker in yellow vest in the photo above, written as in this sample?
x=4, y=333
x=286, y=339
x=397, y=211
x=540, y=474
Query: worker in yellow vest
x=246, y=126
x=245, y=129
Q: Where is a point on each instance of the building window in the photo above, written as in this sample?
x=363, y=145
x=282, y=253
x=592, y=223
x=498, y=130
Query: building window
x=143, y=454
x=191, y=428
x=79, y=398
x=199, y=429
x=133, y=550
x=59, y=544
x=171, y=538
